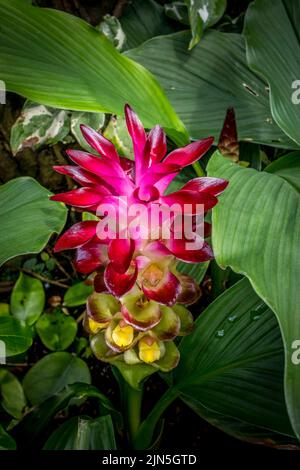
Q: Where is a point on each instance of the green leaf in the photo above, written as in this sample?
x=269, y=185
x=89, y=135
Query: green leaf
x=288, y=167
x=202, y=15
x=196, y=270
x=257, y=233
x=56, y=330
x=177, y=11
x=275, y=59
x=59, y=60
x=27, y=299
x=6, y=441
x=15, y=338
x=38, y=125
x=231, y=368
x=93, y=120
x=77, y=294
x=201, y=85
x=142, y=20
x=28, y=217
x=83, y=433
x=33, y=424
x=111, y=27
x=52, y=373
x=12, y=396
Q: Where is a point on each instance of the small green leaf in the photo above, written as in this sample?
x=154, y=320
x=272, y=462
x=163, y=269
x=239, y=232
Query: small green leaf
x=52, y=373
x=56, y=330
x=6, y=441
x=93, y=120
x=27, y=299
x=111, y=27
x=177, y=11
x=12, y=395
x=28, y=217
x=38, y=125
x=14, y=336
x=77, y=294
x=83, y=433
x=202, y=15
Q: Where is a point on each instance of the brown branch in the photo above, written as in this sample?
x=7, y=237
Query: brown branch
x=44, y=279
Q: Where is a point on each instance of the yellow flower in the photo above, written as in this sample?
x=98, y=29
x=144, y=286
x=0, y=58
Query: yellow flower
x=149, y=350
x=123, y=334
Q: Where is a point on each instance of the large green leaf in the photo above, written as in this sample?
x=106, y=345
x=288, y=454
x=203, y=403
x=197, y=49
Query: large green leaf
x=83, y=433
x=273, y=52
x=52, y=373
x=27, y=300
x=59, y=60
x=15, y=337
x=257, y=233
x=202, y=83
x=28, y=217
x=231, y=369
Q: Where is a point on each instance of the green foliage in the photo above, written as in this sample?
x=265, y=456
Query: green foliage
x=12, y=395
x=52, y=373
x=6, y=441
x=83, y=433
x=27, y=299
x=201, y=94
x=77, y=294
x=202, y=15
x=16, y=336
x=265, y=53
x=56, y=330
x=28, y=216
x=257, y=233
x=227, y=369
x=86, y=72
x=38, y=125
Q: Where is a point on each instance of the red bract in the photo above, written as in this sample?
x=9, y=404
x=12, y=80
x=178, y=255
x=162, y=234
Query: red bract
x=120, y=183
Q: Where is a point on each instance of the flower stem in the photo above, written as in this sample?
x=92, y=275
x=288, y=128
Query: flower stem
x=133, y=405
x=144, y=436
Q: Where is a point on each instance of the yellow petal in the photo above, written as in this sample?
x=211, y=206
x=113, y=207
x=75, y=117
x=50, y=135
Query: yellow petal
x=122, y=335
x=95, y=326
x=149, y=350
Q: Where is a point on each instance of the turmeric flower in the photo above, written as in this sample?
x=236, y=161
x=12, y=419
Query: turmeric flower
x=125, y=257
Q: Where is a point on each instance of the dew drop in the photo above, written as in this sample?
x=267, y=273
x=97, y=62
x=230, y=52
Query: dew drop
x=232, y=318
x=220, y=333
